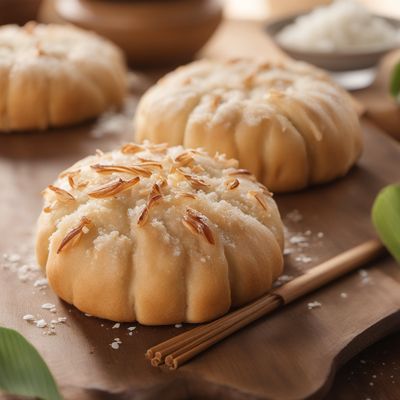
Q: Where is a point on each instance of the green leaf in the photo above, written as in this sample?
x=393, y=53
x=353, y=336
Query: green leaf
x=395, y=82
x=386, y=218
x=22, y=370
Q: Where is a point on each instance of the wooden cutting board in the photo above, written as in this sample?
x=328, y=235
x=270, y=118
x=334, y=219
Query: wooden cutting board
x=293, y=354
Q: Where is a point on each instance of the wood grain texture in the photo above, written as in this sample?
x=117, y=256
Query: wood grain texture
x=292, y=354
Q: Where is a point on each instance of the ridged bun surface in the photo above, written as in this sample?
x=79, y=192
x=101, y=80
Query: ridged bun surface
x=288, y=122
x=159, y=234
x=56, y=75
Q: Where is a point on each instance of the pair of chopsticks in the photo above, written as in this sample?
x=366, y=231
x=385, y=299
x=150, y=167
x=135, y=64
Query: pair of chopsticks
x=184, y=347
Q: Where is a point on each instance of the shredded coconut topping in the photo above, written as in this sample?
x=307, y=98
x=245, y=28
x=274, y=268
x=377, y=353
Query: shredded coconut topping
x=149, y=178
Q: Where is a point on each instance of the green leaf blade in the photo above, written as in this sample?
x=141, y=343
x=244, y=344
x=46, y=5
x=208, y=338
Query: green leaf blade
x=386, y=218
x=22, y=370
x=395, y=82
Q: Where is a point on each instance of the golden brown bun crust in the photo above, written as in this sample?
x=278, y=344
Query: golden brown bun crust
x=183, y=236
x=288, y=123
x=56, y=75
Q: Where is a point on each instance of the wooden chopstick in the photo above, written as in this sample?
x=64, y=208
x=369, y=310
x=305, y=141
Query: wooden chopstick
x=182, y=348
x=174, y=360
x=159, y=352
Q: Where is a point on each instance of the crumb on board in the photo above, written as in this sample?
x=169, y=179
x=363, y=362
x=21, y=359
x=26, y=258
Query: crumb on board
x=294, y=216
x=116, y=343
x=41, y=323
x=288, y=251
x=48, y=306
x=282, y=280
x=365, y=278
x=131, y=328
x=314, y=304
x=303, y=259
x=41, y=283
x=297, y=239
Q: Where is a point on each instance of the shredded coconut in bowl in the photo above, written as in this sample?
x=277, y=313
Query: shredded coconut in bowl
x=344, y=25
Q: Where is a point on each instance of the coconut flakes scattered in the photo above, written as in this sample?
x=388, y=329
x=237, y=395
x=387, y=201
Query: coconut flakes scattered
x=343, y=295
x=131, y=328
x=298, y=242
x=116, y=326
x=42, y=323
x=178, y=325
x=26, y=272
x=22, y=262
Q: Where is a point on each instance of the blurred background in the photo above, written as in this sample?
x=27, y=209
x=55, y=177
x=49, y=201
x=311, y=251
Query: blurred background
x=20, y=11
x=264, y=9
x=158, y=35
x=161, y=32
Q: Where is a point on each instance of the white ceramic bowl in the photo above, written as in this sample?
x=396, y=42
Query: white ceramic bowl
x=335, y=60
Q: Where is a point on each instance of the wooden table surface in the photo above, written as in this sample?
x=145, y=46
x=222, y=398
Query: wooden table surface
x=292, y=354
x=375, y=373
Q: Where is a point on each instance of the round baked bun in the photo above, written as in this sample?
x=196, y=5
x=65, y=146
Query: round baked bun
x=287, y=123
x=56, y=75
x=159, y=235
